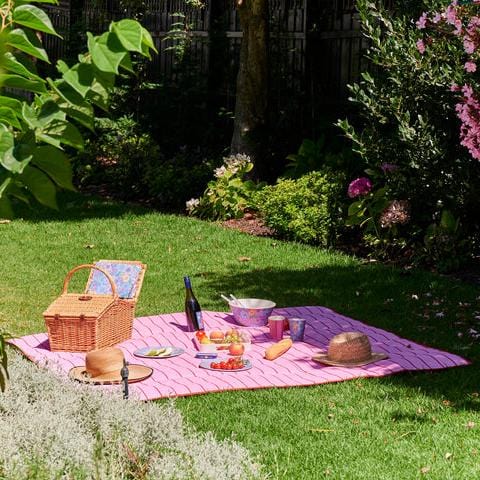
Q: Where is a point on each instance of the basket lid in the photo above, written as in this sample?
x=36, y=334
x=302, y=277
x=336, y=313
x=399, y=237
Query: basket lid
x=76, y=304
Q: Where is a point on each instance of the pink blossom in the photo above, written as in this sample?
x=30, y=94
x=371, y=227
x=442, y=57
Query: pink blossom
x=454, y=87
x=470, y=67
x=468, y=111
x=451, y=14
x=468, y=45
x=422, y=21
x=458, y=27
x=437, y=18
x=421, y=46
x=359, y=186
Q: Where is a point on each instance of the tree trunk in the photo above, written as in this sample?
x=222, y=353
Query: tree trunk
x=252, y=81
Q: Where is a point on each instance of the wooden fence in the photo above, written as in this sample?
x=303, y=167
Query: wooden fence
x=316, y=46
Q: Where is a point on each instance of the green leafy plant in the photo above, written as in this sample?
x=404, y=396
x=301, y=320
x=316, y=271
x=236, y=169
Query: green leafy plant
x=444, y=243
x=40, y=116
x=4, y=377
x=230, y=194
x=171, y=180
x=308, y=209
x=326, y=151
x=117, y=155
x=406, y=120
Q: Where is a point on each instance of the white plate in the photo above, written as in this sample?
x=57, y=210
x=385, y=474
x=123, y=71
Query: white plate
x=170, y=352
x=207, y=365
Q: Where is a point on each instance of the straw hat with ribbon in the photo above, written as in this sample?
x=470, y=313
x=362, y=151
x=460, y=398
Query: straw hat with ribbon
x=104, y=367
x=349, y=349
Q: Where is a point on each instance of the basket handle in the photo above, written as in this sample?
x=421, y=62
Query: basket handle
x=73, y=270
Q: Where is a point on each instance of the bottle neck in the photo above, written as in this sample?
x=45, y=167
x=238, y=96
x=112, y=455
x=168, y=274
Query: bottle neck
x=188, y=283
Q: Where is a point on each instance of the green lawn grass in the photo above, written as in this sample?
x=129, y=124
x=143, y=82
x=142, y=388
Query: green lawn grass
x=424, y=425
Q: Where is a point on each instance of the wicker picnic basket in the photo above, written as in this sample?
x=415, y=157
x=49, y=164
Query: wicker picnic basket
x=88, y=321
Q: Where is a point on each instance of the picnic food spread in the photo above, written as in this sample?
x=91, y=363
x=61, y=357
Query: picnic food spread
x=102, y=316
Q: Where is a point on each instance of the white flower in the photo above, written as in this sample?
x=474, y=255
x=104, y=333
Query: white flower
x=192, y=204
x=220, y=171
x=235, y=162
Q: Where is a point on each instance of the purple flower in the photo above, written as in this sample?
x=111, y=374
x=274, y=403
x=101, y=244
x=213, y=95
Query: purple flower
x=470, y=67
x=437, y=18
x=359, y=186
x=422, y=21
x=421, y=46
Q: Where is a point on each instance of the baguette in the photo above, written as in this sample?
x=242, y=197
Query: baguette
x=278, y=349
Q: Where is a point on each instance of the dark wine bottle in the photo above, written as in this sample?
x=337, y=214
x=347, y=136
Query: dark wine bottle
x=193, y=312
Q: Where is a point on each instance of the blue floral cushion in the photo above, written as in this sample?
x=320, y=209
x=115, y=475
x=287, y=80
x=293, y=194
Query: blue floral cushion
x=125, y=276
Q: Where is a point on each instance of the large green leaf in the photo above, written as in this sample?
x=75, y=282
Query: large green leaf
x=16, y=159
x=83, y=115
x=73, y=104
x=61, y=132
x=4, y=185
x=147, y=41
x=13, y=103
x=16, y=81
x=18, y=191
x=126, y=63
x=7, y=116
x=107, y=52
x=7, y=140
x=26, y=41
x=12, y=65
x=98, y=95
x=56, y=164
x=130, y=34
x=50, y=112
x=80, y=77
x=29, y=116
x=40, y=185
x=106, y=79
x=34, y=18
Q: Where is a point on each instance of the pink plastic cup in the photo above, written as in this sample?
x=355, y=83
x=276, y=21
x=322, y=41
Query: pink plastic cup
x=276, y=323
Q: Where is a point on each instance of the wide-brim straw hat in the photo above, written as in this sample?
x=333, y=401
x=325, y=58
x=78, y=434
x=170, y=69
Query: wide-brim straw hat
x=349, y=349
x=103, y=367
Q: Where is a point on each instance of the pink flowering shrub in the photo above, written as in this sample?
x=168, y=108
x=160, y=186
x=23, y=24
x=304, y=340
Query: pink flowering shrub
x=459, y=24
x=417, y=123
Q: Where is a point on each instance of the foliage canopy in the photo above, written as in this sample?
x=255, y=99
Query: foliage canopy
x=40, y=116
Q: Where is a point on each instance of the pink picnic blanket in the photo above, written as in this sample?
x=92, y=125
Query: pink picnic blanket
x=181, y=376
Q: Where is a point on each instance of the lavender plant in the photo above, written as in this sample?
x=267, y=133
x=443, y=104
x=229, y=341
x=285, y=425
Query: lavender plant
x=52, y=428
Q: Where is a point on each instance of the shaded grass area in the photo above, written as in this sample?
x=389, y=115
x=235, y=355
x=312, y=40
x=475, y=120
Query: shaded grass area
x=424, y=425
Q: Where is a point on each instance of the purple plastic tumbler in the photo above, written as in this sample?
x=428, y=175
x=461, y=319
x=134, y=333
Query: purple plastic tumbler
x=275, y=322
x=297, y=329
